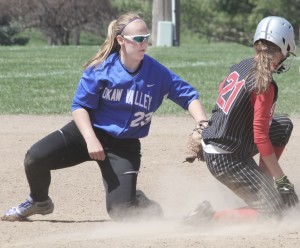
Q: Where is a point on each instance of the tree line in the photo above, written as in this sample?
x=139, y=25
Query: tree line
x=236, y=20
x=214, y=20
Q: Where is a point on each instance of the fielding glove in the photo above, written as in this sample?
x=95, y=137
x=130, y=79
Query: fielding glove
x=286, y=190
x=194, y=148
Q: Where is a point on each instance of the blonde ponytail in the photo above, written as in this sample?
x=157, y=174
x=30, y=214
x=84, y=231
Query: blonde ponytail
x=265, y=52
x=111, y=44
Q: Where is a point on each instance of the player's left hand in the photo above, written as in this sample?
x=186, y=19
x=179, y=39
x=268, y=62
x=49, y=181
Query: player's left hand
x=287, y=191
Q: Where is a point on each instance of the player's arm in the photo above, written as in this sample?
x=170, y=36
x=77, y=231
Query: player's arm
x=273, y=166
x=87, y=96
x=262, y=116
x=197, y=111
x=83, y=122
x=263, y=104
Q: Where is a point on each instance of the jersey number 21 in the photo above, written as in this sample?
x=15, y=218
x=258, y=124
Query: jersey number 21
x=229, y=92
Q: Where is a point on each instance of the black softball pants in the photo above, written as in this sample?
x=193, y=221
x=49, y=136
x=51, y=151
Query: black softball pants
x=66, y=147
x=243, y=176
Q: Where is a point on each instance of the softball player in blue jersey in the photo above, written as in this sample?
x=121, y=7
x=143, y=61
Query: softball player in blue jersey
x=242, y=125
x=117, y=95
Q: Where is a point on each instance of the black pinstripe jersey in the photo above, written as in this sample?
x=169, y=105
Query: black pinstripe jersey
x=231, y=124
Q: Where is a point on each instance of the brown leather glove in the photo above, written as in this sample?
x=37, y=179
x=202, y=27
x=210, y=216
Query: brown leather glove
x=194, y=147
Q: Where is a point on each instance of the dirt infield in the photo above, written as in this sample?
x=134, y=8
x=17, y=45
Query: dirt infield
x=80, y=218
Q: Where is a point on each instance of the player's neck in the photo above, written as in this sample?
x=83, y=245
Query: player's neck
x=131, y=67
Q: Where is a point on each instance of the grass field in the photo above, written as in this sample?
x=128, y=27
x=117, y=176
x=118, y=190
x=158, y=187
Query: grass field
x=42, y=80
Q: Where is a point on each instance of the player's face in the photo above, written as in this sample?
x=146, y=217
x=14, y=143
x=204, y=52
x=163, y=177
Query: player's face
x=134, y=40
x=277, y=60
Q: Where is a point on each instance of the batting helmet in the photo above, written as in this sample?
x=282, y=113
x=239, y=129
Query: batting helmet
x=278, y=31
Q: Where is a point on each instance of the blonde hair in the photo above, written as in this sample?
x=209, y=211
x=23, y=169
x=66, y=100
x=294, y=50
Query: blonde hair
x=262, y=68
x=111, y=44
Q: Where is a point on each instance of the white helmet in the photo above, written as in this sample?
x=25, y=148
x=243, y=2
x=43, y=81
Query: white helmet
x=278, y=31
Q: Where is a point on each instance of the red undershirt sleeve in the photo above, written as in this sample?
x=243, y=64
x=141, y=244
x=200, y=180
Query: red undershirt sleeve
x=263, y=106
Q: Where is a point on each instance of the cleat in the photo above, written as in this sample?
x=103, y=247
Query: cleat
x=28, y=208
x=202, y=214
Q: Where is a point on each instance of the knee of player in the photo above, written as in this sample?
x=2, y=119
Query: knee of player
x=31, y=161
x=288, y=131
x=290, y=127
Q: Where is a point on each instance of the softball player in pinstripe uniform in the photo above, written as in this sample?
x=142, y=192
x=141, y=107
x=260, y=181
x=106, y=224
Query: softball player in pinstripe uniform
x=116, y=97
x=242, y=124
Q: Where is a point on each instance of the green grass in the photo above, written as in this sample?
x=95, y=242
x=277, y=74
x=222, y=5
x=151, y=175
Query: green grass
x=36, y=38
x=39, y=79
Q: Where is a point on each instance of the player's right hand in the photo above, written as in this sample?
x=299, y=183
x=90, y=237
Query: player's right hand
x=95, y=149
x=287, y=191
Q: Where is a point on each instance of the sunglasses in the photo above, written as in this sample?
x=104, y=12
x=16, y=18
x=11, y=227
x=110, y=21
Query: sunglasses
x=137, y=38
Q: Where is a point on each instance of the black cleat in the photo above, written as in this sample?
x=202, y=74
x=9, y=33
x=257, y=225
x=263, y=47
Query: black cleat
x=202, y=214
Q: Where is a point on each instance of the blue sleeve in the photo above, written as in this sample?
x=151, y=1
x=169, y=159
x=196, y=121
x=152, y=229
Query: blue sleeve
x=88, y=91
x=181, y=92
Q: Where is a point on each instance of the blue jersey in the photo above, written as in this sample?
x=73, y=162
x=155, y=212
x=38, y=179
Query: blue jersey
x=122, y=104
